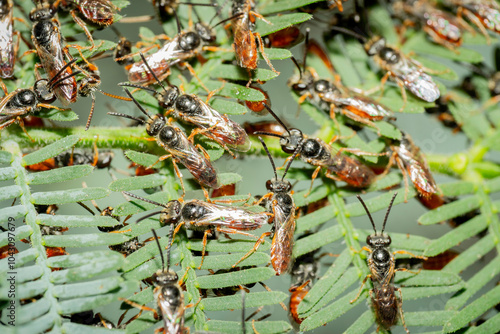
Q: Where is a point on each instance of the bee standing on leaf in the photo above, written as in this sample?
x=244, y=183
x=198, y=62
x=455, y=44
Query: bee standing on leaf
x=280, y=203
x=406, y=72
x=23, y=102
x=178, y=145
x=333, y=95
x=387, y=306
x=206, y=217
x=245, y=46
x=339, y=167
x=191, y=109
x=167, y=294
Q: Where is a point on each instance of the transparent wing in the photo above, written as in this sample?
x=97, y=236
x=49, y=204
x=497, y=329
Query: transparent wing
x=415, y=80
x=282, y=245
x=233, y=217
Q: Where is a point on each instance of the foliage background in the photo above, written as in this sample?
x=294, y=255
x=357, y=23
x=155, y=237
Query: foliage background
x=427, y=133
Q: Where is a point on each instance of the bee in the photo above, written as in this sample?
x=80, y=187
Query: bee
x=406, y=72
x=382, y=268
x=339, y=167
x=25, y=101
x=485, y=14
x=46, y=36
x=191, y=109
x=183, y=46
x=167, y=294
x=178, y=145
x=279, y=201
x=99, y=12
x=333, y=95
x=7, y=50
x=442, y=27
x=412, y=163
x=208, y=217
x=243, y=19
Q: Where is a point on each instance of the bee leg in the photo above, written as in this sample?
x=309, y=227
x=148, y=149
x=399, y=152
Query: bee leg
x=478, y=23
x=84, y=28
x=193, y=73
x=266, y=196
x=465, y=25
x=21, y=124
x=252, y=13
x=4, y=88
x=361, y=120
x=269, y=289
x=401, y=313
x=412, y=255
x=49, y=106
x=91, y=66
x=403, y=94
x=215, y=49
x=253, y=327
x=143, y=50
x=141, y=307
x=440, y=40
x=361, y=288
x=6, y=124
x=383, y=81
x=262, y=52
x=315, y=174
x=254, y=248
x=179, y=175
x=303, y=98
x=405, y=177
x=205, y=236
x=392, y=158
x=96, y=152
x=359, y=152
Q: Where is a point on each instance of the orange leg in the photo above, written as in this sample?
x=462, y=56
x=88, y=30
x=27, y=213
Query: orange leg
x=254, y=248
x=143, y=50
x=193, y=73
x=400, y=307
x=84, y=27
x=262, y=52
x=205, y=235
x=411, y=254
x=177, y=228
x=314, y=176
x=141, y=307
x=361, y=288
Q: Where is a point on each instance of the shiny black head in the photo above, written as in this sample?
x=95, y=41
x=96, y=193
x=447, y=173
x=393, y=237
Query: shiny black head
x=206, y=33
x=323, y=86
x=189, y=41
x=311, y=148
x=381, y=240
x=193, y=211
x=169, y=136
x=292, y=141
x=45, y=12
x=155, y=124
x=168, y=96
x=188, y=104
x=389, y=55
x=164, y=277
x=374, y=46
x=171, y=214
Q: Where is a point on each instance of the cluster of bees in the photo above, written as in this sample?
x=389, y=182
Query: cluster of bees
x=67, y=77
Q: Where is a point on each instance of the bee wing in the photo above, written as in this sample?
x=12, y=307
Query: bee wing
x=6, y=100
x=223, y=130
x=415, y=80
x=173, y=317
x=418, y=170
x=6, y=43
x=159, y=62
x=232, y=217
x=488, y=12
x=197, y=164
x=364, y=106
x=282, y=245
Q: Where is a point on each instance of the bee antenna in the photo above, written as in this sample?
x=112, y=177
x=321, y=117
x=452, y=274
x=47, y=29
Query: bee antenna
x=153, y=73
x=170, y=237
x=127, y=84
x=368, y=212
x=218, y=11
x=179, y=27
x=149, y=215
x=298, y=66
x=350, y=33
x=267, y=134
x=228, y=19
x=143, y=199
x=291, y=160
x=388, y=211
x=86, y=208
x=68, y=64
x=159, y=248
x=137, y=103
x=270, y=157
x=55, y=83
x=243, y=327
x=126, y=116
x=276, y=117
x=306, y=47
